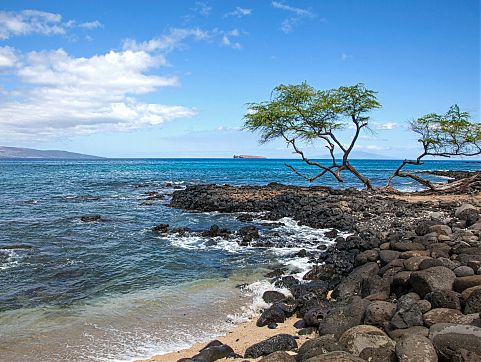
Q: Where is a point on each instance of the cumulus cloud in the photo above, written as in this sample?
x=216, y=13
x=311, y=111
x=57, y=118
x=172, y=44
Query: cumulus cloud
x=8, y=57
x=298, y=15
x=25, y=22
x=63, y=95
x=239, y=12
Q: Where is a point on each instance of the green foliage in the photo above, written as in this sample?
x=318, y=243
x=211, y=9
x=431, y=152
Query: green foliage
x=451, y=134
x=302, y=112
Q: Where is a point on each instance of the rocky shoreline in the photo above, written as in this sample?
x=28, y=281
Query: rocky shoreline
x=405, y=285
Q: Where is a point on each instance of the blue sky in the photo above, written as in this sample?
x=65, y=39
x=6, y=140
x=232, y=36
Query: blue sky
x=171, y=79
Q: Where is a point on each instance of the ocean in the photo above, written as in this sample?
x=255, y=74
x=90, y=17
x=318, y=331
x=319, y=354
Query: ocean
x=114, y=290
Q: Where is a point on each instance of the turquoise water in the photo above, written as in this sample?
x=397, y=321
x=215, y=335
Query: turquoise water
x=104, y=290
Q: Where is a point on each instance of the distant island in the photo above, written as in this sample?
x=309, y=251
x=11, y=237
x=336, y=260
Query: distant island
x=247, y=156
x=29, y=153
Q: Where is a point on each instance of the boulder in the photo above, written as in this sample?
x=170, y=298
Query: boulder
x=386, y=256
x=397, y=334
x=444, y=299
x=424, y=305
x=279, y=342
x=318, y=346
x=468, y=213
x=343, y=315
x=441, y=315
x=473, y=302
x=407, y=246
x=415, y=348
x=273, y=296
x=382, y=354
x=273, y=314
x=351, y=285
x=408, y=314
x=431, y=279
x=450, y=339
x=313, y=316
x=338, y=356
x=360, y=337
x=279, y=356
x=413, y=263
x=213, y=351
x=378, y=313
x=463, y=283
x=440, y=261
x=366, y=257
x=441, y=229
x=463, y=271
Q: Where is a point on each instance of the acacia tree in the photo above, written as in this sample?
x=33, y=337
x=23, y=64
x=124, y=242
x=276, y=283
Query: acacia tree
x=298, y=113
x=449, y=135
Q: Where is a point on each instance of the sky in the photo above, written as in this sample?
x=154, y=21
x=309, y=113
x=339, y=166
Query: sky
x=172, y=79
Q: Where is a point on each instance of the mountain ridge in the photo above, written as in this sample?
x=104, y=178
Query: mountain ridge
x=31, y=153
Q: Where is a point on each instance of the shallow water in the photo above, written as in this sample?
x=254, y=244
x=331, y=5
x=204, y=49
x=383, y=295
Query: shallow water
x=113, y=290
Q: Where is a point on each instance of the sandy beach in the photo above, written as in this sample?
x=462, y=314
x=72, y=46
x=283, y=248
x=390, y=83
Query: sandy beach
x=240, y=338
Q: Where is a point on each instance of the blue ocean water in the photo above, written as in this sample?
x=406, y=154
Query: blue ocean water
x=113, y=290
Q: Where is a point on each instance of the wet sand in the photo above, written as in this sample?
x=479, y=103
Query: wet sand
x=240, y=338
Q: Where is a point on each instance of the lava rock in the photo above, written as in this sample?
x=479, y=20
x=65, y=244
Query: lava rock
x=273, y=314
x=343, y=315
x=273, y=296
x=449, y=339
x=90, y=218
x=279, y=342
x=397, y=334
x=444, y=299
x=429, y=280
x=415, y=348
x=378, y=313
x=337, y=356
x=463, y=283
x=408, y=314
x=213, y=352
x=473, y=302
x=318, y=346
x=351, y=285
x=278, y=356
x=360, y=337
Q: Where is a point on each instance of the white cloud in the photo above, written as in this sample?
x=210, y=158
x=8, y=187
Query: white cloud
x=387, y=126
x=296, y=11
x=345, y=57
x=91, y=25
x=239, y=12
x=227, y=39
x=25, y=22
x=370, y=147
x=202, y=8
x=298, y=14
x=8, y=57
x=167, y=42
x=61, y=95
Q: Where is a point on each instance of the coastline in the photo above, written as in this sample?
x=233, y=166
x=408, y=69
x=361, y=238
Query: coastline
x=400, y=253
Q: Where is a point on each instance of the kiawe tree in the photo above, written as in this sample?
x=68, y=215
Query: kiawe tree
x=300, y=113
x=453, y=134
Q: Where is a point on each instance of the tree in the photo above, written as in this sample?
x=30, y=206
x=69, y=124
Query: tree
x=300, y=113
x=450, y=135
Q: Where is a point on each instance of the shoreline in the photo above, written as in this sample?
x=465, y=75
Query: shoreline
x=402, y=252
x=239, y=338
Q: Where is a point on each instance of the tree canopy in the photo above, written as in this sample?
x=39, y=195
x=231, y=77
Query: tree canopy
x=299, y=113
x=452, y=134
